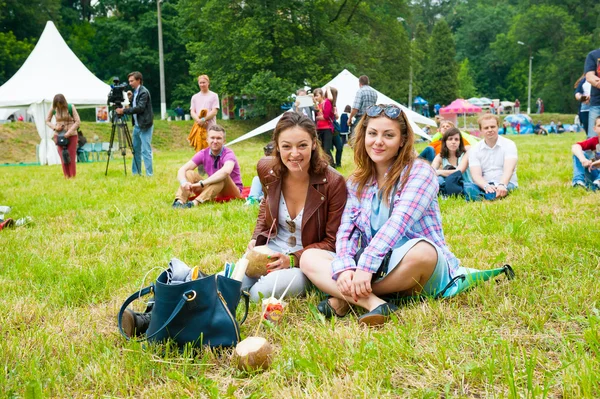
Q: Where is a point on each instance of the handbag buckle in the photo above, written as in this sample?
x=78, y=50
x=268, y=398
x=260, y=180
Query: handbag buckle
x=189, y=295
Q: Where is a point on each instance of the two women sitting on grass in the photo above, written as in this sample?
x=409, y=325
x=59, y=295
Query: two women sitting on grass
x=302, y=208
x=390, y=240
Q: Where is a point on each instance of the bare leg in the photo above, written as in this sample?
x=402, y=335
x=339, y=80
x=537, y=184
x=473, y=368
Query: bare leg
x=408, y=278
x=412, y=273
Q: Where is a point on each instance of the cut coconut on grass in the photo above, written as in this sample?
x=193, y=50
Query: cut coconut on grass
x=253, y=353
x=258, y=258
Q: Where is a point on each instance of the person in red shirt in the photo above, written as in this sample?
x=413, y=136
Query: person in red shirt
x=586, y=172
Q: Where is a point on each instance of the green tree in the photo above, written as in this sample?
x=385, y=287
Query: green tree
x=466, y=83
x=27, y=19
x=477, y=27
x=419, y=47
x=13, y=53
x=440, y=83
x=269, y=90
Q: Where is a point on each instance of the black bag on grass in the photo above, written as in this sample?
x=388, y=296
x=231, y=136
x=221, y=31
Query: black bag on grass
x=200, y=312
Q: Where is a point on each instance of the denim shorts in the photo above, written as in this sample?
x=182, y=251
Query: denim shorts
x=441, y=275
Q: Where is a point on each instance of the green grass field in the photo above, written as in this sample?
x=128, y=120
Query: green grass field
x=95, y=238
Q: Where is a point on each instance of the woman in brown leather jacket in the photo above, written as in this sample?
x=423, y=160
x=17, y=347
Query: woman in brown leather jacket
x=304, y=201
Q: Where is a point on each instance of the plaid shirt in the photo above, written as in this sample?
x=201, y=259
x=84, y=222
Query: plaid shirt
x=416, y=214
x=365, y=97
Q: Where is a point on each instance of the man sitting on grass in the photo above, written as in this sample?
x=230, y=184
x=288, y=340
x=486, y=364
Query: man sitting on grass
x=492, y=163
x=222, y=167
x=586, y=174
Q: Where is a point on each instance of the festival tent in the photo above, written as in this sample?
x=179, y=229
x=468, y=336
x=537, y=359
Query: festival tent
x=347, y=85
x=507, y=105
x=51, y=68
x=6, y=113
x=476, y=101
x=420, y=101
x=460, y=106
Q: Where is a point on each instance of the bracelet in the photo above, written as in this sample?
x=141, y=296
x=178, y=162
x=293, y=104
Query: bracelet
x=203, y=120
x=291, y=261
x=182, y=182
x=202, y=183
x=502, y=184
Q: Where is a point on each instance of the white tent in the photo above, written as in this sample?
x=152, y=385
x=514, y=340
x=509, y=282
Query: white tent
x=347, y=85
x=51, y=68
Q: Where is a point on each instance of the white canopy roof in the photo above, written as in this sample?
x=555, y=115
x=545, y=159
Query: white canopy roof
x=51, y=68
x=347, y=85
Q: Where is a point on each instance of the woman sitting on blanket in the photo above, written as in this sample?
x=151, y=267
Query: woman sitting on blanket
x=452, y=157
x=302, y=208
x=392, y=213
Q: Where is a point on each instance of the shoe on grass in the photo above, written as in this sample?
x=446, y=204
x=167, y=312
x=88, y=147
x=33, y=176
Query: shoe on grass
x=379, y=315
x=180, y=205
x=579, y=184
x=596, y=184
x=324, y=307
x=134, y=323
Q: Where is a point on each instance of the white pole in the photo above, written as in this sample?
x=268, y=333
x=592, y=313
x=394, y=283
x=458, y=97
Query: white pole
x=163, y=98
x=529, y=85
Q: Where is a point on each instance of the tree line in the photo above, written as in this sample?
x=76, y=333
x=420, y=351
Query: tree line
x=267, y=49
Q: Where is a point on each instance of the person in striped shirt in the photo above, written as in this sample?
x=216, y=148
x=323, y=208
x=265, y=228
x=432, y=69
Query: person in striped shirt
x=390, y=240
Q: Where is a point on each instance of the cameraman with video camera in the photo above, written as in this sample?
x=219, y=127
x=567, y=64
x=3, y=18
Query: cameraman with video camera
x=143, y=124
x=65, y=132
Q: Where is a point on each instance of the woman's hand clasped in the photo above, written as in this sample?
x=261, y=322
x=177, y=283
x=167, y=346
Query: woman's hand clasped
x=361, y=285
x=355, y=284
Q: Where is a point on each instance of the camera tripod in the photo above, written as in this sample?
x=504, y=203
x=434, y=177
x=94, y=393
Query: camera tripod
x=119, y=127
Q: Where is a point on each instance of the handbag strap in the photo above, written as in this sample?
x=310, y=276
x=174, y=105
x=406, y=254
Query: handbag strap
x=182, y=301
x=143, y=292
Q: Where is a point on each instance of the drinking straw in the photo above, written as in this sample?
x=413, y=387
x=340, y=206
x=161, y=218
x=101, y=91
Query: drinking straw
x=286, y=289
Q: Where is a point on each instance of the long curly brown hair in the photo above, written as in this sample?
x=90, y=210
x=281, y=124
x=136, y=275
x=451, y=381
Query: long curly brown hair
x=318, y=159
x=365, y=167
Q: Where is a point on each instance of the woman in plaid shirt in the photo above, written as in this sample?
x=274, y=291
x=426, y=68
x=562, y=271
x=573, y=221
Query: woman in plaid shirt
x=390, y=240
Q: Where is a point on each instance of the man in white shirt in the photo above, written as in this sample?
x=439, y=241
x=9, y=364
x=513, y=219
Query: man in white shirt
x=492, y=163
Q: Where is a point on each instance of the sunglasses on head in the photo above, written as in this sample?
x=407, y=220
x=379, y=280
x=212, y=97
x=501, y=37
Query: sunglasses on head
x=390, y=110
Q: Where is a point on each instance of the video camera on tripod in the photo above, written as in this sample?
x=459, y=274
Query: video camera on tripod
x=117, y=93
x=119, y=123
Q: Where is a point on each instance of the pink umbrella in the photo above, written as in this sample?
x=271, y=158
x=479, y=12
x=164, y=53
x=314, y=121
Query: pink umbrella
x=460, y=106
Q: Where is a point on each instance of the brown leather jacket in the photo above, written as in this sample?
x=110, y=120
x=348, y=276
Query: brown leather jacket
x=325, y=202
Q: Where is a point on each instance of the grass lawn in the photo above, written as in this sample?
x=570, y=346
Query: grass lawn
x=95, y=238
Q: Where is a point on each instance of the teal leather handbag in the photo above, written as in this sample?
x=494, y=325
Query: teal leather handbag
x=201, y=312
